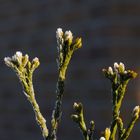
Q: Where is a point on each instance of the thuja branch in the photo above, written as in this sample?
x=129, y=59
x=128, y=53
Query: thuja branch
x=66, y=47
x=79, y=119
x=121, y=128
x=24, y=70
x=119, y=79
x=135, y=117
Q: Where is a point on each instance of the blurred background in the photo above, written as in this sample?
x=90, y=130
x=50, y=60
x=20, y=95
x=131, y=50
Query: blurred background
x=111, y=33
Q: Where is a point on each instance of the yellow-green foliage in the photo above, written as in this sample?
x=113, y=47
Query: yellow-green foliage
x=66, y=46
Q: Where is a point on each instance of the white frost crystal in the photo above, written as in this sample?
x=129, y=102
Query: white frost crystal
x=60, y=40
x=68, y=35
x=136, y=110
x=35, y=63
x=75, y=104
x=102, y=138
x=36, y=59
x=7, y=61
x=125, y=72
x=19, y=54
x=116, y=66
x=119, y=67
x=16, y=58
x=59, y=33
x=110, y=70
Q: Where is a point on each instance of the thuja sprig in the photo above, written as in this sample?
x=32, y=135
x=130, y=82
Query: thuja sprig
x=119, y=78
x=78, y=117
x=24, y=69
x=121, y=128
x=135, y=117
x=66, y=46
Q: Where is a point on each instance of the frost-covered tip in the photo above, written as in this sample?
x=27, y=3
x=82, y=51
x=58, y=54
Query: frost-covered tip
x=78, y=107
x=125, y=72
x=17, y=57
x=35, y=63
x=7, y=61
x=110, y=70
x=59, y=33
x=116, y=65
x=102, y=138
x=75, y=116
x=136, y=110
x=36, y=59
x=75, y=105
x=19, y=54
x=68, y=35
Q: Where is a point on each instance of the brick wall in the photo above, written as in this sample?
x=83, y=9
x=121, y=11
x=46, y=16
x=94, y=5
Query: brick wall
x=110, y=32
